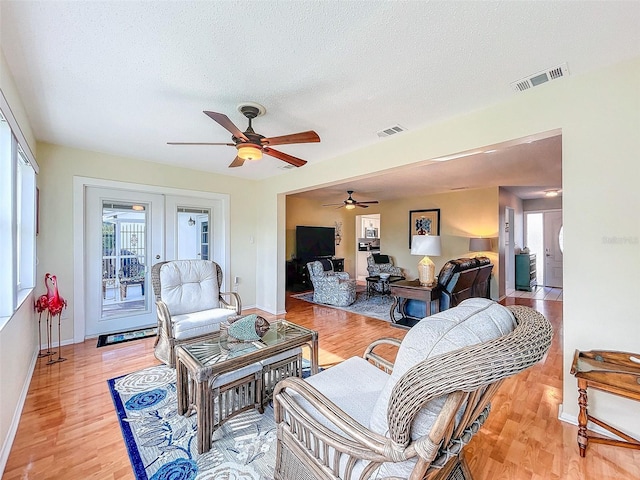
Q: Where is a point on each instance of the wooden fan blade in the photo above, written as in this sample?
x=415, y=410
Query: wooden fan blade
x=200, y=143
x=372, y=201
x=302, y=137
x=333, y=204
x=359, y=204
x=224, y=121
x=237, y=162
x=296, y=162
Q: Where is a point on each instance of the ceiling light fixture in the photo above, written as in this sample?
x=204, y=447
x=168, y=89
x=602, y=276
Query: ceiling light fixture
x=551, y=193
x=350, y=206
x=137, y=208
x=249, y=152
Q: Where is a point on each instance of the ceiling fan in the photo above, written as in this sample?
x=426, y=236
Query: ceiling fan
x=252, y=145
x=350, y=203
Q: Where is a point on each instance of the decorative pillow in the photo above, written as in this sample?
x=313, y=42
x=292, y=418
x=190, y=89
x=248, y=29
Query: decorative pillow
x=377, y=258
x=249, y=328
x=326, y=264
x=473, y=321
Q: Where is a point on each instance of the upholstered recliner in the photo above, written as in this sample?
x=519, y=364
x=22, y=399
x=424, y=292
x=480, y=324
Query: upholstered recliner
x=189, y=302
x=463, y=278
x=412, y=418
x=329, y=287
x=377, y=264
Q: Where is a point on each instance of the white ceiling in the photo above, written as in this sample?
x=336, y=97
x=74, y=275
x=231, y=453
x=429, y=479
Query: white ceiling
x=126, y=77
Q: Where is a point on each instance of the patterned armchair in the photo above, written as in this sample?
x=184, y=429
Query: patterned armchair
x=377, y=264
x=332, y=288
x=368, y=418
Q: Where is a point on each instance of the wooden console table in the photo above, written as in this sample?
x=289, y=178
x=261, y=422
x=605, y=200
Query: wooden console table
x=404, y=290
x=614, y=372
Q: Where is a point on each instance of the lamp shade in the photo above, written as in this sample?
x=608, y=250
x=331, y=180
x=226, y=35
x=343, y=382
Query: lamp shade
x=479, y=244
x=425, y=245
x=249, y=152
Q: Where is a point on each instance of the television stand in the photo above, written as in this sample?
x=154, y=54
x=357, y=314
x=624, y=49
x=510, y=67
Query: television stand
x=297, y=275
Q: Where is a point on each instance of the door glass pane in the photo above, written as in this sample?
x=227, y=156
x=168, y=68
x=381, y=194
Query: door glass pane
x=193, y=233
x=124, y=250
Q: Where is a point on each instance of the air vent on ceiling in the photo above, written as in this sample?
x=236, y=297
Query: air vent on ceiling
x=540, y=78
x=287, y=167
x=387, y=132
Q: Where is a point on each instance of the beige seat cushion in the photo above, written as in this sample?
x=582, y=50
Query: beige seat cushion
x=189, y=325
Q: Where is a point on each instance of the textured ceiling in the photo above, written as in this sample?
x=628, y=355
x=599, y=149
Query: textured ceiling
x=126, y=77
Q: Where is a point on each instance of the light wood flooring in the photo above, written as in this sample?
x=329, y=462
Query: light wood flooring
x=69, y=429
x=538, y=293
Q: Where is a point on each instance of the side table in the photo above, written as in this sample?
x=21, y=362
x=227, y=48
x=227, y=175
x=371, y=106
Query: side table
x=617, y=373
x=404, y=290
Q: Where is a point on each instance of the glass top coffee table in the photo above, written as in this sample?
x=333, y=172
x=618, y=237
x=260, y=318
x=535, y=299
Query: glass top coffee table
x=221, y=377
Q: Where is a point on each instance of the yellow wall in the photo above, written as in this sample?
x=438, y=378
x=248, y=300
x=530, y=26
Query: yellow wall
x=464, y=214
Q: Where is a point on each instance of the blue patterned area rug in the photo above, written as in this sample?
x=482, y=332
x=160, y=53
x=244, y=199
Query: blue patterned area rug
x=378, y=306
x=162, y=445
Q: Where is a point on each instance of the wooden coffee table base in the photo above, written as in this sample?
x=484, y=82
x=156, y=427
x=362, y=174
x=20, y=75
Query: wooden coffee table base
x=219, y=385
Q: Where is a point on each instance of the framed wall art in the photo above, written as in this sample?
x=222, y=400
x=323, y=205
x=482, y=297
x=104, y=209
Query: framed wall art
x=424, y=222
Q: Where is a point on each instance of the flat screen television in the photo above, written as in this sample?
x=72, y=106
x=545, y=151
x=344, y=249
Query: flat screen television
x=314, y=242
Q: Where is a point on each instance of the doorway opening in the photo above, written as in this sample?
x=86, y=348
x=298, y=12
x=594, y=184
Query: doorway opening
x=544, y=237
x=368, y=235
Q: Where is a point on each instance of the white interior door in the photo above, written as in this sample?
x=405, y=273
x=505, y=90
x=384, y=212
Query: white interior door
x=124, y=237
x=553, y=249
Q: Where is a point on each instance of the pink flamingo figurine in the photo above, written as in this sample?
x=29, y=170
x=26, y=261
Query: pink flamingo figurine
x=42, y=304
x=56, y=305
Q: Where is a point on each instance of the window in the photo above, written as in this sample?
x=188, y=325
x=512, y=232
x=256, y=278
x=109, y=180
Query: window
x=17, y=221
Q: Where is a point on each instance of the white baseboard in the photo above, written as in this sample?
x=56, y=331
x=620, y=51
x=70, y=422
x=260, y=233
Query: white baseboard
x=15, y=421
x=573, y=420
x=55, y=345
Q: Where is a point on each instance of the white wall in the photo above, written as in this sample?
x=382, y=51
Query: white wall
x=599, y=115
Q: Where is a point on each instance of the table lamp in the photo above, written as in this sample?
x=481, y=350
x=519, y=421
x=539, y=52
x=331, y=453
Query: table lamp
x=426, y=245
x=479, y=244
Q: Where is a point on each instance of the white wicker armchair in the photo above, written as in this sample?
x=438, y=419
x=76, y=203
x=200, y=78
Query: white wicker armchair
x=189, y=302
x=412, y=419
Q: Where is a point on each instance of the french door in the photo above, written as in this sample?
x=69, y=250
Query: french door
x=124, y=237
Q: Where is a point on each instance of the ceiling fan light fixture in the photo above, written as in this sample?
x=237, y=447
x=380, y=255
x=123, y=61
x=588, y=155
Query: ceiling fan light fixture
x=249, y=152
x=350, y=206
